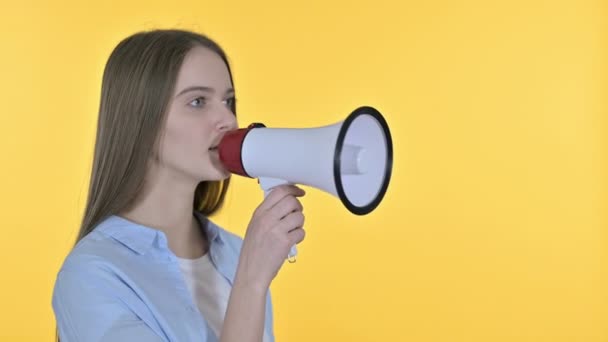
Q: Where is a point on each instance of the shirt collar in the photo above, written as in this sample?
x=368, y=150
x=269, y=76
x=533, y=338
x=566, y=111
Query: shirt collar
x=212, y=231
x=141, y=239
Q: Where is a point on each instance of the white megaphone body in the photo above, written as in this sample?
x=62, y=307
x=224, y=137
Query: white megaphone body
x=351, y=159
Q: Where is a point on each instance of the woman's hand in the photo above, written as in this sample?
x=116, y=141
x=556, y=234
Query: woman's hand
x=276, y=225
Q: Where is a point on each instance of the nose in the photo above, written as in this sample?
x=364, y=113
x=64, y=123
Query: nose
x=226, y=121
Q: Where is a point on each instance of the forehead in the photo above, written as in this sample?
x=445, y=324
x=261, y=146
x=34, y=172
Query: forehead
x=203, y=67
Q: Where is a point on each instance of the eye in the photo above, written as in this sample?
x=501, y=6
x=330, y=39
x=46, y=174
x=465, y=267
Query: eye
x=198, y=102
x=229, y=102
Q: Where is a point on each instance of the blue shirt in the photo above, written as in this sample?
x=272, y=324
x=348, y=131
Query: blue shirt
x=121, y=282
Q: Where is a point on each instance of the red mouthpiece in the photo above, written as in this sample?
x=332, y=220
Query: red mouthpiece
x=230, y=149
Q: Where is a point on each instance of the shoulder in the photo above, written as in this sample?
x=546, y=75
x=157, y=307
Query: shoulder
x=112, y=273
x=96, y=249
x=90, y=270
x=113, y=250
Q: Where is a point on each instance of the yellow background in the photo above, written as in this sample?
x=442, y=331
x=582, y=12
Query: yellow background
x=494, y=227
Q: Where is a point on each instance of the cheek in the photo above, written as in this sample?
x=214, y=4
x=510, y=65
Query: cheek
x=185, y=138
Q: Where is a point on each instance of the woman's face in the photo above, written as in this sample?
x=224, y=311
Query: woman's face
x=199, y=114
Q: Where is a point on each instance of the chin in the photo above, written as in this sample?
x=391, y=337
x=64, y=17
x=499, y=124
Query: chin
x=216, y=170
x=217, y=176
x=225, y=175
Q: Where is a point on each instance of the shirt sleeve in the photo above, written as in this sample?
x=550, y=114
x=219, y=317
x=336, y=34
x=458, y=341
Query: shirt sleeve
x=86, y=310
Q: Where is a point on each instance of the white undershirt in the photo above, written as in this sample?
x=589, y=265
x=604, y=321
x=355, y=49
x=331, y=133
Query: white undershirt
x=209, y=289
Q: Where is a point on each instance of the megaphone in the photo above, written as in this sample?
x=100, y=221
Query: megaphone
x=351, y=160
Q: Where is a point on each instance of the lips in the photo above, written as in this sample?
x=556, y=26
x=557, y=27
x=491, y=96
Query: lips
x=216, y=144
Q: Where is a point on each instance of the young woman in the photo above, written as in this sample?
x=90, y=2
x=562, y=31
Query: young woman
x=148, y=264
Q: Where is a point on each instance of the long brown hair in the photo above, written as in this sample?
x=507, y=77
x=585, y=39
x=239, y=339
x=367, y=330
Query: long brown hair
x=138, y=81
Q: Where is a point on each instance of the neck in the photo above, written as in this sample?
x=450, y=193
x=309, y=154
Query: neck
x=167, y=205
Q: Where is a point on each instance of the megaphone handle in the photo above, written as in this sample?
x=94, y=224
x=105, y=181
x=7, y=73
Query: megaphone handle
x=268, y=184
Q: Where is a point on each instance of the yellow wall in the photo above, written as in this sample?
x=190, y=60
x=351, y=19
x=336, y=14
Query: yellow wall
x=494, y=227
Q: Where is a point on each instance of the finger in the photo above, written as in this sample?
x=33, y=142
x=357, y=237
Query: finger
x=291, y=222
x=279, y=193
x=296, y=236
x=285, y=206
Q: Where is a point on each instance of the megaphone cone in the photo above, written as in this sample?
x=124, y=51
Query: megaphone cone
x=351, y=159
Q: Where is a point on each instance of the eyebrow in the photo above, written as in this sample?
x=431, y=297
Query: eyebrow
x=209, y=89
